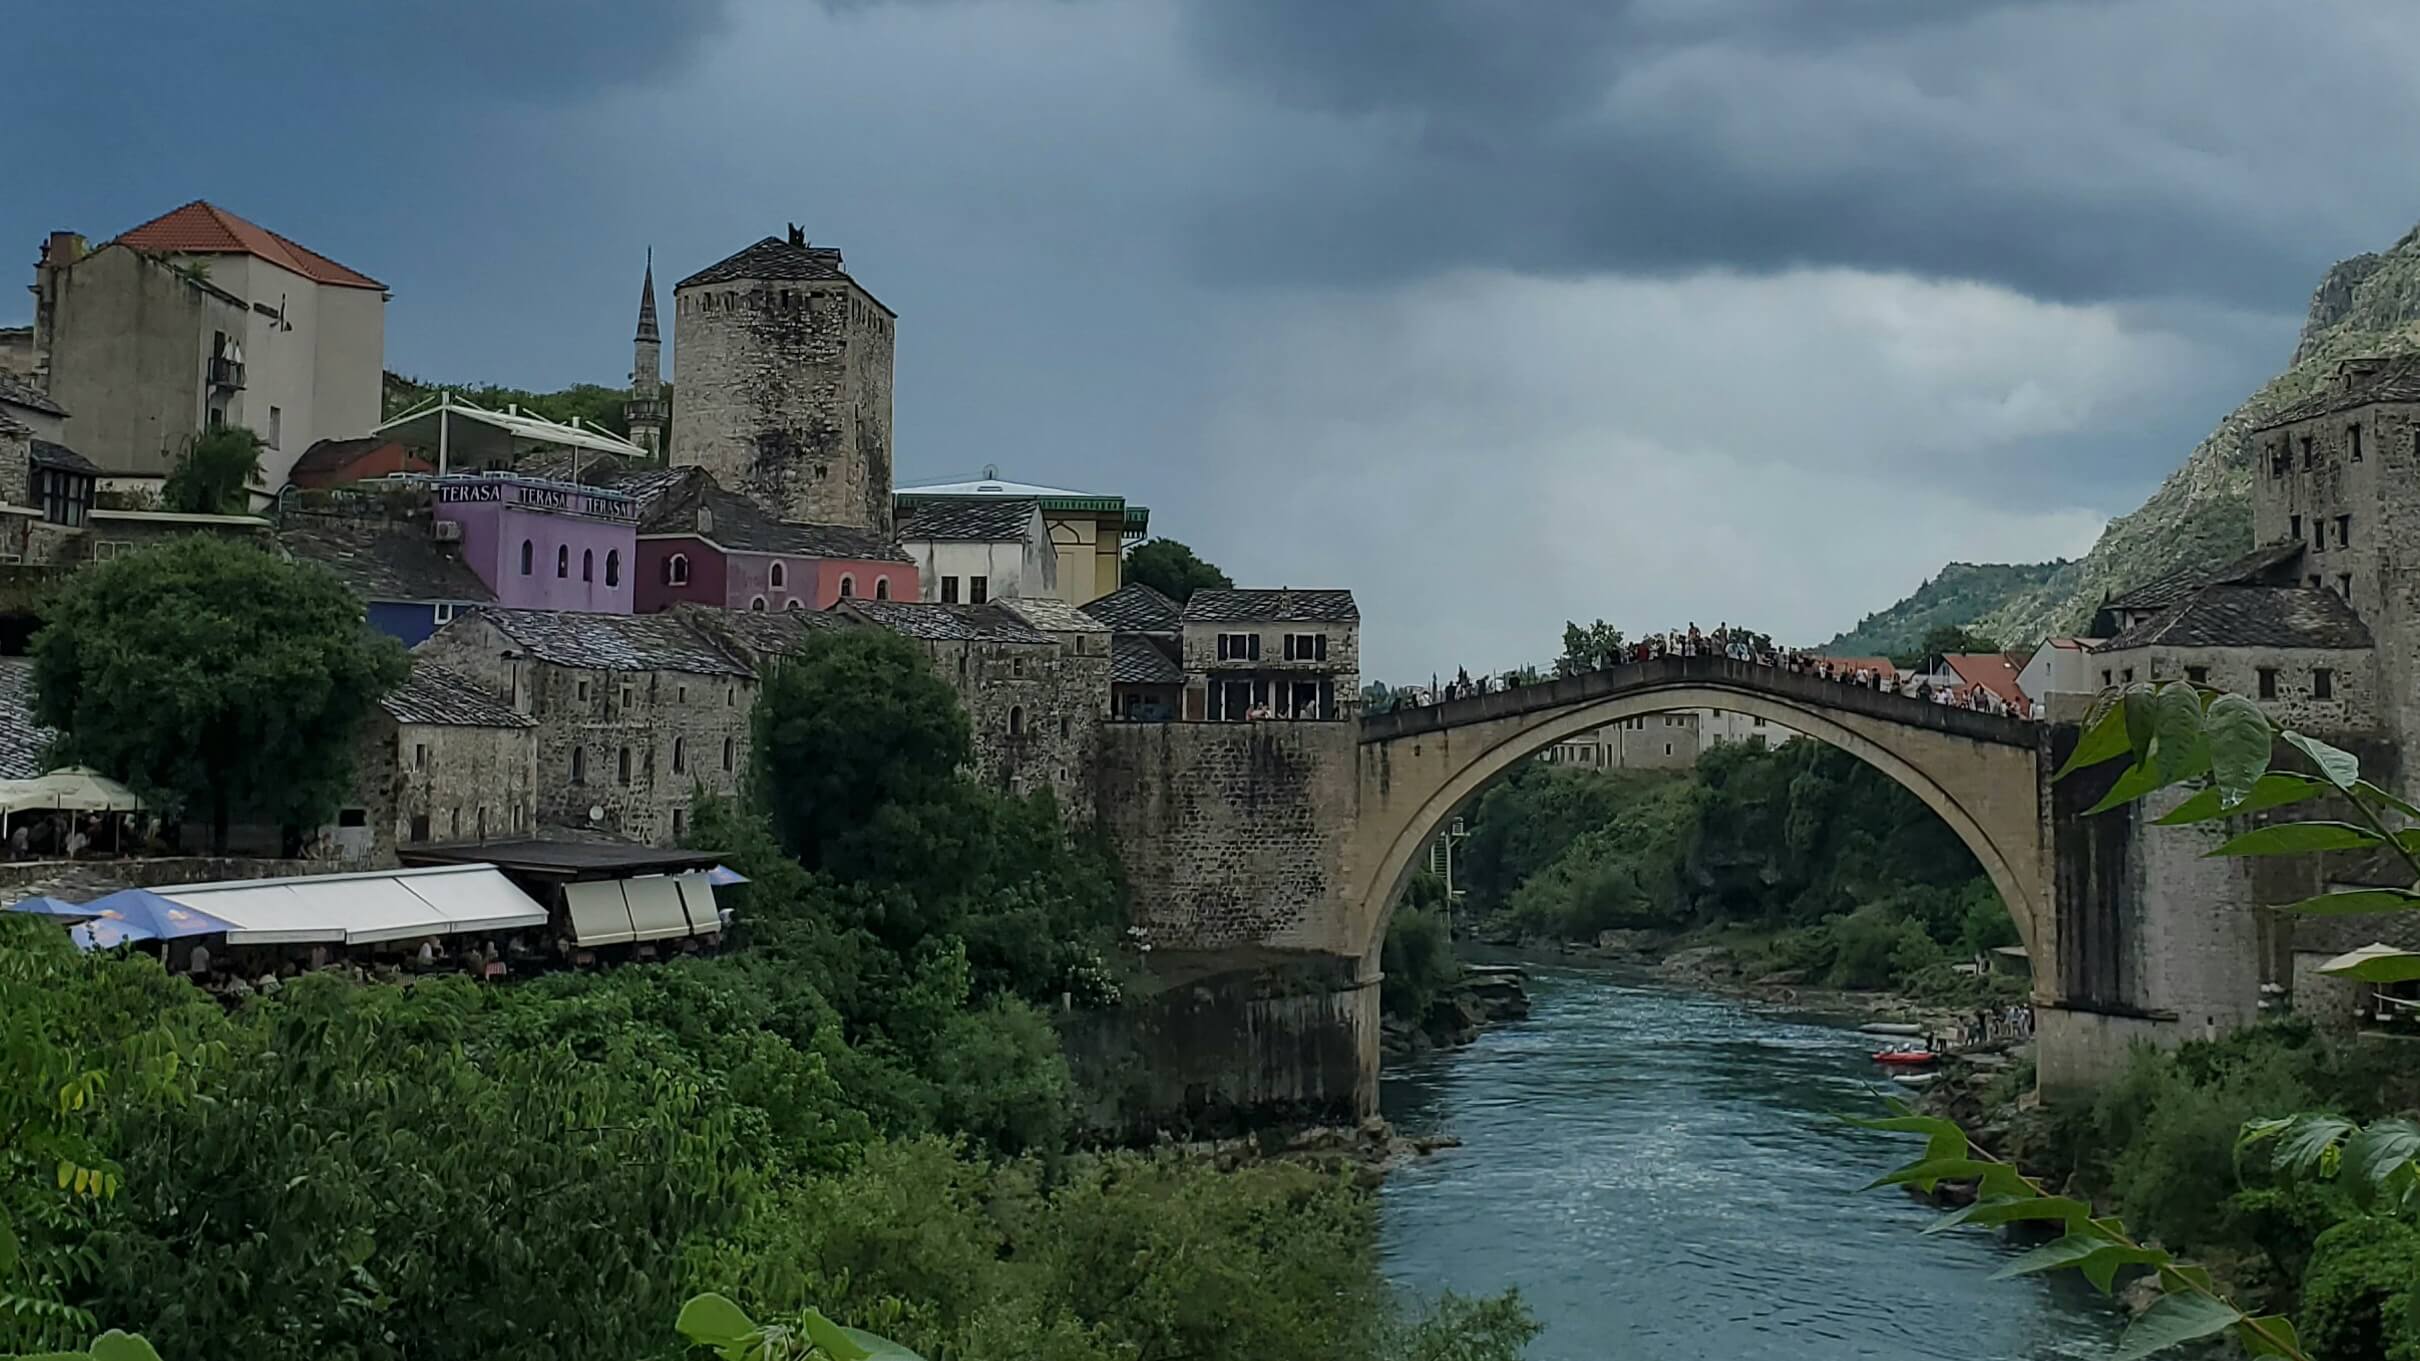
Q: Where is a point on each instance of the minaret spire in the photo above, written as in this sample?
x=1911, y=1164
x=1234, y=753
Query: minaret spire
x=644, y=412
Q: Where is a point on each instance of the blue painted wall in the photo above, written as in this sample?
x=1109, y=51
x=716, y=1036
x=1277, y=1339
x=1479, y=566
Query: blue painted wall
x=407, y=620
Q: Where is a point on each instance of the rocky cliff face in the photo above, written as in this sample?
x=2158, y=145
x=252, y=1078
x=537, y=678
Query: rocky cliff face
x=2202, y=514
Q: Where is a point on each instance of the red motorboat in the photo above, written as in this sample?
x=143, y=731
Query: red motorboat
x=1909, y=1057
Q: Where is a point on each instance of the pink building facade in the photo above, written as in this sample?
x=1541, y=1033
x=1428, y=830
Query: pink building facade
x=545, y=545
x=688, y=568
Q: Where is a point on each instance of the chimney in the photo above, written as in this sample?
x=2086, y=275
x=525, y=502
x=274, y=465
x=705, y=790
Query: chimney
x=798, y=235
x=62, y=249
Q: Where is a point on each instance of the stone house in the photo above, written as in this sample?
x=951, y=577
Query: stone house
x=1146, y=679
x=782, y=366
x=1034, y=701
x=440, y=760
x=2299, y=651
x=199, y=318
x=1293, y=654
x=1089, y=531
x=635, y=713
x=412, y=581
x=974, y=551
x=1666, y=741
x=702, y=544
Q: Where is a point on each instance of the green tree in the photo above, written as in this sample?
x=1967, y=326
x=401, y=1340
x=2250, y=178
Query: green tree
x=1592, y=648
x=215, y=473
x=1171, y=569
x=213, y=677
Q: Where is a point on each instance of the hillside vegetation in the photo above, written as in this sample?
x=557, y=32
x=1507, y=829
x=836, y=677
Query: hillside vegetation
x=1962, y=593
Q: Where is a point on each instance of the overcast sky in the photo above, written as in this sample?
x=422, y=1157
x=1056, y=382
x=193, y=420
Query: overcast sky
x=1497, y=311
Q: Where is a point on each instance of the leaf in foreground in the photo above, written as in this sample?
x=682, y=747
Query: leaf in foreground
x=2300, y=838
x=2173, y=1321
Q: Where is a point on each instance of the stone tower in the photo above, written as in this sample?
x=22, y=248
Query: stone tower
x=644, y=412
x=783, y=366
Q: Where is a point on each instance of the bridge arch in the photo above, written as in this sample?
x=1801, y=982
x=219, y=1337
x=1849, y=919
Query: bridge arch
x=1977, y=773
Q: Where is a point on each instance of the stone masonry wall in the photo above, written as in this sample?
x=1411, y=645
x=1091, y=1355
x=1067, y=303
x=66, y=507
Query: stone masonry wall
x=2353, y=704
x=1037, y=713
x=1233, y=835
x=785, y=395
x=469, y=783
x=1200, y=646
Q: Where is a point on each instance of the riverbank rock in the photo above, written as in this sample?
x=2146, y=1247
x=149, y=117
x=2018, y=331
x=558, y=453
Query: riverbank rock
x=1484, y=995
x=1700, y=962
x=1371, y=1149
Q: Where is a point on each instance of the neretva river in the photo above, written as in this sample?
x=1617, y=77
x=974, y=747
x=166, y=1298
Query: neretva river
x=1663, y=1175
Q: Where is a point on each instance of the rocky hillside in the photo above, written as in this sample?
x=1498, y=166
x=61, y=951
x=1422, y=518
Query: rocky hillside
x=2202, y=514
x=1961, y=594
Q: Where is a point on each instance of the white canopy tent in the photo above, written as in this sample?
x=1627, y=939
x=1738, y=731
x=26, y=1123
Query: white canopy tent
x=364, y=909
x=78, y=789
x=460, y=431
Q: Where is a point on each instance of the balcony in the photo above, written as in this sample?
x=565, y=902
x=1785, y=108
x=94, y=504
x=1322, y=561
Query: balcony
x=226, y=374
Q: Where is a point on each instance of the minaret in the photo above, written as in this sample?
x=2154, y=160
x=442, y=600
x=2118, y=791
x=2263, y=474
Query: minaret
x=645, y=410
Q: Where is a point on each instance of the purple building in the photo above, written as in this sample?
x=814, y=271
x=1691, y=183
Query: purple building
x=540, y=544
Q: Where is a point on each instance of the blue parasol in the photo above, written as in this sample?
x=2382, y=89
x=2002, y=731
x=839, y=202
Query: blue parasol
x=722, y=876
x=106, y=935
x=51, y=907
x=157, y=918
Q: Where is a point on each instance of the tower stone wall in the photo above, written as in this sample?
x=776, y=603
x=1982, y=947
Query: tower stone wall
x=782, y=364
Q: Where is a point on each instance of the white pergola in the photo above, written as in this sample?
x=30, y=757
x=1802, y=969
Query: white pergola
x=460, y=429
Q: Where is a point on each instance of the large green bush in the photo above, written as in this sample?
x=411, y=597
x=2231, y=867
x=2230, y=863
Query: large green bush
x=2361, y=1299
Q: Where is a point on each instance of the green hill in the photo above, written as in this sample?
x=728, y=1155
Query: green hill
x=1963, y=593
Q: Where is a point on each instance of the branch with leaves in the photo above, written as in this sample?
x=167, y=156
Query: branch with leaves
x=713, y=1322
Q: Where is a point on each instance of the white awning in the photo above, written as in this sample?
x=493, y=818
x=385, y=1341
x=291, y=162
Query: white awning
x=361, y=909
x=697, y=899
x=655, y=908
x=466, y=434
x=599, y=915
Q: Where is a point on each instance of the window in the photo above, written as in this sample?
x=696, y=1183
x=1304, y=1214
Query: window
x=2199, y=675
x=680, y=694
x=676, y=569
x=2107, y=678
x=579, y=766
x=2294, y=523
x=613, y=566
x=949, y=590
x=420, y=756
x=2319, y=535
x=978, y=590
x=580, y=691
x=1239, y=647
x=420, y=827
x=2344, y=531
x=1016, y=666
x=2306, y=451
x=277, y=426
x=2127, y=675
x=676, y=822
x=588, y=564
x=796, y=606
x=848, y=588
x=622, y=766
x=2344, y=584
x=453, y=824
x=629, y=693
x=1306, y=647
x=2352, y=440
x=481, y=832
x=1016, y=720
x=731, y=697
x=680, y=755
x=779, y=577
x=2314, y=581
x=352, y=817
x=529, y=556
x=65, y=497
x=2268, y=682
x=1062, y=725
x=882, y=588
x=562, y=561
x=442, y=614
x=1758, y=722
x=757, y=604
x=727, y=752
x=2323, y=683
x=2280, y=458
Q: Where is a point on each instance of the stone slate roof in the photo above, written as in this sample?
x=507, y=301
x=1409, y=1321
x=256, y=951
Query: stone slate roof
x=2225, y=614
x=382, y=559
x=761, y=635
x=23, y=742
x=616, y=642
x=2396, y=379
x=10, y=425
x=1135, y=659
x=48, y=455
x=16, y=391
x=1052, y=616
x=771, y=258
x=670, y=498
x=1136, y=608
x=1266, y=606
x=436, y=695
x=935, y=623
x=971, y=521
x=2268, y=563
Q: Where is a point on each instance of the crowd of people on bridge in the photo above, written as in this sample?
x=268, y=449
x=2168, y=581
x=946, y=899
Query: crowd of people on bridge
x=1757, y=649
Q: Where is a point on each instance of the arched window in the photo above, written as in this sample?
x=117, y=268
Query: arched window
x=882, y=588
x=796, y=605
x=1016, y=720
x=622, y=766
x=848, y=587
x=780, y=576
x=529, y=557
x=562, y=561
x=757, y=604
x=588, y=564
x=727, y=750
x=676, y=569
x=680, y=756
x=613, y=567
x=579, y=766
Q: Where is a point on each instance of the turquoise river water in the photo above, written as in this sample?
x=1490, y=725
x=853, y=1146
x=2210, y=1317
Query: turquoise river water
x=1664, y=1175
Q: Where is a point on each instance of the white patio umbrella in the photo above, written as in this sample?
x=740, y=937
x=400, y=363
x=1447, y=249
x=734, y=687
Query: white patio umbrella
x=78, y=788
x=2376, y=962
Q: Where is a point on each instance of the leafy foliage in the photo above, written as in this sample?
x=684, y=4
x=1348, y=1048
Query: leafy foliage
x=214, y=473
x=213, y=677
x=1592, y=648
x=1172, y=569
x=1418, y=954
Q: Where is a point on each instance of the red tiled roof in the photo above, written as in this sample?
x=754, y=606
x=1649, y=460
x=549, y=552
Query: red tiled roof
x=1991, y=670
x=201, y=228
x=1881, y=666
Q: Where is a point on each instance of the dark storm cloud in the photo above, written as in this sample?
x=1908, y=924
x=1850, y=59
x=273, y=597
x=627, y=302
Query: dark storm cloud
x=2071, y=152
